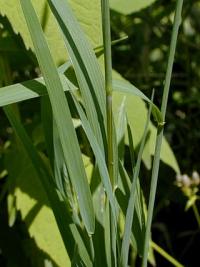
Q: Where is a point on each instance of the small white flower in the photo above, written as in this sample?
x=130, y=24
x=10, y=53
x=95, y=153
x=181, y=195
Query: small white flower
x=186, y=180
x=195, y=178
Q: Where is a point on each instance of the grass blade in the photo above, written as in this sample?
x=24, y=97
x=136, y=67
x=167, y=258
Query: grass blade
x=62, y=117
x=86, y=67
x=131, y=204
x=156, y=161
x=107, y=230
x=28, y=90
x=68, y=230
x=126, y=87
x=166, y=255
x=99, y=157
x=47, y=122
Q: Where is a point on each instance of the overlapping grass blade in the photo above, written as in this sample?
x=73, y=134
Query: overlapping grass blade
x=28, y=90
x=99, y=157
x=115, y=156
x=82, y=250
x=64, y=186
x=131, y=204
x=123, y=195
x=86, y=67
x=62, y=117
x=126, y=87
x=68, y=230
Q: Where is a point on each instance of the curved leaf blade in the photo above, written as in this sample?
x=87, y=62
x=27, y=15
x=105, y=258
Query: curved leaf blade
x=126, y=87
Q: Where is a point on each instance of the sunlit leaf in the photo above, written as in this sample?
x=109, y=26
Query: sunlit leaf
x=88, y=14
x=129, y=6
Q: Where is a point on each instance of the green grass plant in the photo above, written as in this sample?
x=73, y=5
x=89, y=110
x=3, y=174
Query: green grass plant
x=110, y=202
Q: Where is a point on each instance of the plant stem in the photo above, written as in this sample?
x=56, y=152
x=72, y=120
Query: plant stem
x=196, y=213
x=156, y=161
x=165, y=255
x=108, y=83
x=110, y=123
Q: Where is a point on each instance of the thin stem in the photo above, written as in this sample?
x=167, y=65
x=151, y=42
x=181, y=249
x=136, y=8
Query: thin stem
x=165, y=255
x=108, y=86
x=156, y=161
x=108, y=83
x=196, y=213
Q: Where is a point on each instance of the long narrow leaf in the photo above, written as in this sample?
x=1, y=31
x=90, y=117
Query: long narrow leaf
x=62, y=116
x=160, y=131
x=99, y=157
x=28, y=90
x=47, y=122
x=68, y=230
x=86, y=67
x=131, y=203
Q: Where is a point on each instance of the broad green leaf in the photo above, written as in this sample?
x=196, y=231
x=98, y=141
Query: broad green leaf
x=62, y=116
x=35, y=189
x=88, y=13
x=32, y=202
x=58, y=207
x=39, y=218
x=127, y=7
x=27, y=181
